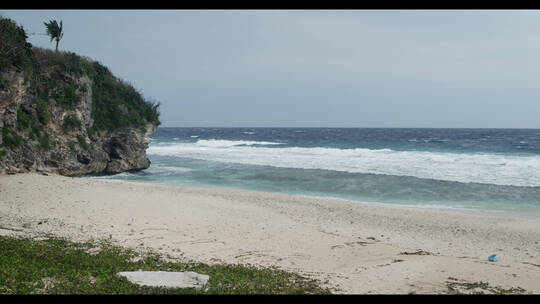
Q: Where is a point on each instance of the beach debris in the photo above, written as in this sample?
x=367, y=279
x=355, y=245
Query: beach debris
x=459, y=286
x=40, y=238
x=493, y=258
x=537, y=265
x=417, y=252
x=45, y=221
x=93, y=250
x=135, y=259
x=166, y=279
x=11, y=228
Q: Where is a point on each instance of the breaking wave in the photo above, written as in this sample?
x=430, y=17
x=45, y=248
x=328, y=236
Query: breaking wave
x=486, y=168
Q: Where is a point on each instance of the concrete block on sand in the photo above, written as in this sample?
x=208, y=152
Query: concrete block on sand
x=166, y=279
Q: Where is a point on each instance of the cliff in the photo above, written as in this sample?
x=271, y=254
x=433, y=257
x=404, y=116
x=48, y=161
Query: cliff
x=63, y=113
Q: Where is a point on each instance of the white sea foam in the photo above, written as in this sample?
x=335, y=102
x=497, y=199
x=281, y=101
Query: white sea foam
x=221, y=143
x=168, y=170
x=488, y=168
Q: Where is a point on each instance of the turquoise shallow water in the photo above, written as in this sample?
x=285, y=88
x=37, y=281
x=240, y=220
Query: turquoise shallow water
x=493, y=170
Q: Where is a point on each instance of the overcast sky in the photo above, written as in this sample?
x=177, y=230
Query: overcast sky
x=278, y=68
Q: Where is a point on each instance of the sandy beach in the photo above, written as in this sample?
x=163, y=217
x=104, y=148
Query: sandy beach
x=353, y=247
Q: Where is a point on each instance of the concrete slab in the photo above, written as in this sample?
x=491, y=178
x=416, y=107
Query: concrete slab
x=166, y=279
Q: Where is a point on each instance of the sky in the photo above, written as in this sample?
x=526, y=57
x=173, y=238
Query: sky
x=316, y=68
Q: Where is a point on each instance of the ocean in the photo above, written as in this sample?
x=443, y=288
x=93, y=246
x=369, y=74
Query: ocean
x=495, y=171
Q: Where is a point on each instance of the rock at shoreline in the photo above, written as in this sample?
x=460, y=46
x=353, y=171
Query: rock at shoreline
x=67, y=114
x=58, y=148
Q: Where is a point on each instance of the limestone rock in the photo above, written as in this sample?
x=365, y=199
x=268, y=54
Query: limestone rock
x=107, y=152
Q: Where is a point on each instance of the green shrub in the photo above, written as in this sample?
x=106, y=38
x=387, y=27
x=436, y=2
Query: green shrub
x=71, y=123
x=84, y=88
x=43, y=89
x=23, y=120
x=43, y=112
x=3, y=83
x=109, y=94
x=10, y=139
x=44, y=141
x=35, y=129
x=91, y=132
x=15, y=51
x=82, y=142
x=67, y=96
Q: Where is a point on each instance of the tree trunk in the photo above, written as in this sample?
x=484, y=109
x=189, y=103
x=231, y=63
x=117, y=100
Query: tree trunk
x=57, y=41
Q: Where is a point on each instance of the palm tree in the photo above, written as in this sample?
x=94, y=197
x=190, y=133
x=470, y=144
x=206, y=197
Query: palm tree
x=55, y=31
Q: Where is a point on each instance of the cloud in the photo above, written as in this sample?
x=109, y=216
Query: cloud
x=318, y=68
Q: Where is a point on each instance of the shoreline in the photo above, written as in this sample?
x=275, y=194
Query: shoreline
x=495, y=213
x=357, y=248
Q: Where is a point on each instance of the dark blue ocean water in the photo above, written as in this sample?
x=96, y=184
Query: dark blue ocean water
x=471, y=169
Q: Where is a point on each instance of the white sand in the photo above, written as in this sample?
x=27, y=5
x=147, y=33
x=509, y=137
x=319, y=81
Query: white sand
x=355, y=247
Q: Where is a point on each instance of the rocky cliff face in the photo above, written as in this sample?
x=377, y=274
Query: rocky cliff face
x=60, y=139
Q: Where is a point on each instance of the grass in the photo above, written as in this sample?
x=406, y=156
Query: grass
x=57, y=266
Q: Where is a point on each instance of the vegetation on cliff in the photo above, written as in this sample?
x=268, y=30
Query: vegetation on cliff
x=15, y=51
x=62, y=110
x=52, y=75
x=115, y=104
